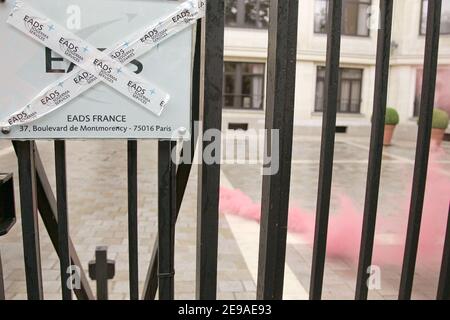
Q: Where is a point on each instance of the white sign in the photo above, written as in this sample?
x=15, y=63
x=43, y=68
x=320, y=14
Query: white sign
x=100, y=110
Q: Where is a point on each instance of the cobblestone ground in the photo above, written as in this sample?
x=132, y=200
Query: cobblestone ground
x=98, y=216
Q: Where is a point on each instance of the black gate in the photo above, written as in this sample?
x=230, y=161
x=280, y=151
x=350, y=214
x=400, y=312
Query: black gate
x=36, y=196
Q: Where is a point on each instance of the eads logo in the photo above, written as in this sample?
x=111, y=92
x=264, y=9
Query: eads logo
x=117, y=54
x=150, y=36
x=184, y=17
x=136, y=88
x=51, y=60
x=35, y=27
x=32, y=23
x=49, y=98
x=19, y=117
x=70, y=47
x=102, y=66
x=68, y=44
x=83, y=78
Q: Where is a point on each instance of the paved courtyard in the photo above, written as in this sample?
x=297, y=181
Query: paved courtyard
x=98, y=216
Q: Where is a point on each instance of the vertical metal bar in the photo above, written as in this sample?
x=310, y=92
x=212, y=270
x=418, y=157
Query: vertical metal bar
x=282, y=61
x=48, y=210
x=327, y=148
x=30, y=229
x=444, y=278
x=209, y=174
x=184, y=168
x=63, y=221
x=376, y=147
x=151, y=280
x=101, y=272
x=133, y=252
x=166, y=219
x=2, y=285
x=423, y=148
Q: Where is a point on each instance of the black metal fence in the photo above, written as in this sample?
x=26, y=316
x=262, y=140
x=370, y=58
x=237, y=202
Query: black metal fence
x=36, y=195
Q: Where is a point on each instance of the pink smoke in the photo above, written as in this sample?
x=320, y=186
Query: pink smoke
x=344, y=234
x=442, y=99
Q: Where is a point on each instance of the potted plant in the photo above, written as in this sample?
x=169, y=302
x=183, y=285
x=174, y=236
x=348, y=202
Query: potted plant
x=440, y=124
x=391, y=121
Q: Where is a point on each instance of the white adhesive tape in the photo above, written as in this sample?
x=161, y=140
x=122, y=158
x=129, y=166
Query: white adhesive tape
x=79, y=80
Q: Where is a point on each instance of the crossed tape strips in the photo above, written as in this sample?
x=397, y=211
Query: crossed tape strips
x=94, y=66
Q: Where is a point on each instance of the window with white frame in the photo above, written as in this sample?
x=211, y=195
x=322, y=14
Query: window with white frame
x=244, y=85
x=247, y=13
x=350, y=89
x=445, y=19
x=355, y=17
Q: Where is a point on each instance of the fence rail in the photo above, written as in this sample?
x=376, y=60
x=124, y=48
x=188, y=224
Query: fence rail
x=376, y=148
x=423, y=147
x=36, y=196
x=282, y=62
